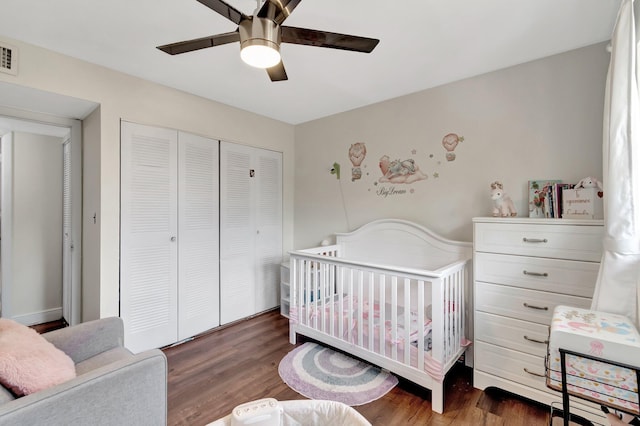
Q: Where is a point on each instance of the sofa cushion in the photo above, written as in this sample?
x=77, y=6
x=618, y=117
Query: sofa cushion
x=28, y=362
x=102, y=359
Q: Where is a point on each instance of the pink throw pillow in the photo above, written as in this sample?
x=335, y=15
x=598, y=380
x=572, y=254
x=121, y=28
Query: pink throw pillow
x=28, y=362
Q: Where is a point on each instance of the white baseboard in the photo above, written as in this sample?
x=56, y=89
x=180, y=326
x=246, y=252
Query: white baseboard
x=39, y=317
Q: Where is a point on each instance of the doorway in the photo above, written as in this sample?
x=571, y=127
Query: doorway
x=40, y=222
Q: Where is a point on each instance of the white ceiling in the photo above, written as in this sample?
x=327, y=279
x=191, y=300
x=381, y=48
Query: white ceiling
x=423, y=43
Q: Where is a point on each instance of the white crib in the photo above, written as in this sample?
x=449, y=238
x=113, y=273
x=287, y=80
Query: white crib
x=392, y=293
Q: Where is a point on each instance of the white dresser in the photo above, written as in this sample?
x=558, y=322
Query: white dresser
x=523, y=269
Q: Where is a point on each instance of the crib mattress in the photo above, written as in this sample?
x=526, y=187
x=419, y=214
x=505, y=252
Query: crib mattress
x=609, y=337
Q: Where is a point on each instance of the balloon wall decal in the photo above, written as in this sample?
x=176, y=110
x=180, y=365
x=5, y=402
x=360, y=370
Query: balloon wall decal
x=449, y=142
x=357, y=152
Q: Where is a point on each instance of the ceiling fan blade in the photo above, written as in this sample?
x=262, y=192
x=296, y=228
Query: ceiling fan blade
x=225, y=10
x=200, y=43
x=326, y=39
x=277, y=10
x=277, y=72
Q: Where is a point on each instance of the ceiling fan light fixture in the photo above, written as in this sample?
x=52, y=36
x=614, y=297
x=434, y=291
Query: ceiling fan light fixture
x=260, y=55
x=259, y=42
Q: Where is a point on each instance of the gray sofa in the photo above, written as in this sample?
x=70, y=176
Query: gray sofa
x=112, y=387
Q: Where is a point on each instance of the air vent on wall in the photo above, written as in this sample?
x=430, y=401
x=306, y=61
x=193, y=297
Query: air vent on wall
x=8, y=59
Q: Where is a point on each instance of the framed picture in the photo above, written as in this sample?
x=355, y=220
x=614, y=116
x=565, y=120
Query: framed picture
x=540, y=198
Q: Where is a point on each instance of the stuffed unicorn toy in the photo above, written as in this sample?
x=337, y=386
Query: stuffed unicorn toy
x=502, y=203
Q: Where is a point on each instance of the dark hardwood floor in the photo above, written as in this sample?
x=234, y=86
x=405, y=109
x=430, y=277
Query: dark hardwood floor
x=50, y=326
x=213, y=373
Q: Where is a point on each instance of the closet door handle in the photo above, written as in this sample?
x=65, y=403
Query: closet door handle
x=173, y=239
x=536, y=274
x=532, y=373
x=543, y=342
x=540, y=308
x=534, y=240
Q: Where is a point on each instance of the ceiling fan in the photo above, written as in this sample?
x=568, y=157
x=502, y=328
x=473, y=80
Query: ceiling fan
x=260, y=36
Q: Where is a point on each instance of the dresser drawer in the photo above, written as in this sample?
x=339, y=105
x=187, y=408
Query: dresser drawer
x=574, y=242
x=523, y=336
x=524, y=304
x=511, y=365
x=558, y=276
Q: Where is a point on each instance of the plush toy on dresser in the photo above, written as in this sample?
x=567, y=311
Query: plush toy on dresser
x=502, y=203
x=590, y=182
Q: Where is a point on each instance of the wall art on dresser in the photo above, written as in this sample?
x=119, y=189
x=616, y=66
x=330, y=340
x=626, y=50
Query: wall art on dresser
x=539, y=197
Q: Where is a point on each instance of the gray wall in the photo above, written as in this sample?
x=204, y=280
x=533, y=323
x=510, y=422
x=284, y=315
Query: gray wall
x=538, y=120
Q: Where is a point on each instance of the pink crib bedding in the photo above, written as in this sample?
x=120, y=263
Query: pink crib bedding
x=329, y=318
x=400, y=327
x=343, y=322
x=349, y=316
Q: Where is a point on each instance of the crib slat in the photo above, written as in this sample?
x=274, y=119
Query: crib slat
x=406, y=339
x=451, y=315
x=446, y=311
x=360, y=307
x=350, y=303
x=370, y=310
x=459, y=312
x=437, y=305
x=421, y=321
x=331, y=300
x=341, y=306
x=382, y=303
x=323, y=296
x=394, y=316
x=452, y=309
x=461, y=308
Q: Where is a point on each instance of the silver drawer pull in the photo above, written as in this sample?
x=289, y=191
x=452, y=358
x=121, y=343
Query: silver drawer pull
x=541, y=308
x=536, y=274
x=532, y=373
x=544, y=342
x=534, y=240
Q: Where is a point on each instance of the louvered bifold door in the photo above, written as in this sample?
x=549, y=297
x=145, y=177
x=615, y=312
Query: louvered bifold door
x=67, y=242
x=198, y=259
x=148, y=241
x=268, y=211
x=237, y=233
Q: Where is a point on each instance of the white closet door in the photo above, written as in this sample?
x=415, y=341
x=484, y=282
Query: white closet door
x=148, y=250
x=198, y=257
x=269, y=229
x=237, y=233
x=67, y=243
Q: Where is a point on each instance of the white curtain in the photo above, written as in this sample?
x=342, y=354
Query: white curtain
x=618, y=286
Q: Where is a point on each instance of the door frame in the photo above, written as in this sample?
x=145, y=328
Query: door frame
x=72, y=285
